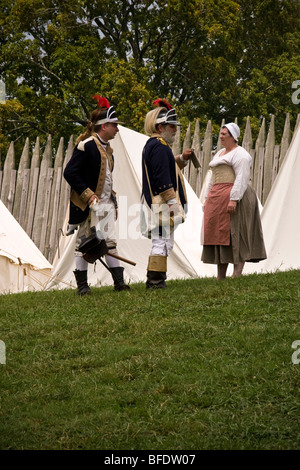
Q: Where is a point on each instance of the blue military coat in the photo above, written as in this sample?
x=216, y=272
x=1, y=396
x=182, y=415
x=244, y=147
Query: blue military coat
x=160, y=162
x=82, y=172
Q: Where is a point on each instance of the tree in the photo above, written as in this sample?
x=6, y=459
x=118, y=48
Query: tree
x=212, y=58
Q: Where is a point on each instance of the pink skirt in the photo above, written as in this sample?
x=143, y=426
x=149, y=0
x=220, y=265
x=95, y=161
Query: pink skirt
x=246, y=241
x=216, y=218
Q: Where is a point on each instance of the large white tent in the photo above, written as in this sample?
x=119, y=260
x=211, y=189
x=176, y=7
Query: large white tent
x=280, y=216
x=185, y=260
x=22, y=265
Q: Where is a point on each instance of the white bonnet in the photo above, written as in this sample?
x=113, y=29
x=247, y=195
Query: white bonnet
x=233, y=129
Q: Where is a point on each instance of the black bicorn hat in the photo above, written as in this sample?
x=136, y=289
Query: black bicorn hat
x=111, y=115
x=168, y=115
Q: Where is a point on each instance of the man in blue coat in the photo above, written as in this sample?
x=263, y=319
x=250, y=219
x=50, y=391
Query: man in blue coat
x=163, y=187
x=89, y=173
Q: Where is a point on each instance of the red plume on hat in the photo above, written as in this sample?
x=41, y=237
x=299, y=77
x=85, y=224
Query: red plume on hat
x=101, y=102
x=163, y=103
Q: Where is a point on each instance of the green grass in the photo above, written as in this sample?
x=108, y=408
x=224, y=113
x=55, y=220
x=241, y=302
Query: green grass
x=201, y=365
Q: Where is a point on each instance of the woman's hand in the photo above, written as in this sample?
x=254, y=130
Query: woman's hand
x=231, y=207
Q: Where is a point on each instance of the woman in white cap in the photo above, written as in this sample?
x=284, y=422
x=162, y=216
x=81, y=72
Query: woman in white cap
x=232, y=231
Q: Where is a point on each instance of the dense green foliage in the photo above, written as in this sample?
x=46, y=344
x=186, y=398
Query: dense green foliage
x=211, y=58
x=201, y=365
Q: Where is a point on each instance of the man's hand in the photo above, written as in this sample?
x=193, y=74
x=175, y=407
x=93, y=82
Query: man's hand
x=187, y=154
x=92, y=199
x=174, y=209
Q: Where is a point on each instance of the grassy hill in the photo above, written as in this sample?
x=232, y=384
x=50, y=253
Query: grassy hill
x=200, y=365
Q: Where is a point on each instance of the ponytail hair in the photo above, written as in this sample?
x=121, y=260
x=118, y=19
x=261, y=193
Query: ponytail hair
x=91, y=128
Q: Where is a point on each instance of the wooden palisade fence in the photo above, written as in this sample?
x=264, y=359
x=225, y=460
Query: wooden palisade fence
x=38, y=196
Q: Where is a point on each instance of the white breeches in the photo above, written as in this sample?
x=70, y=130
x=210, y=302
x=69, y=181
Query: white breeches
x=163, y=246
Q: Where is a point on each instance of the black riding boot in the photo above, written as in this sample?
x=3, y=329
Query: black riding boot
x=117, y=275
x=81, y=280
x=156, y=280
x=157, y=272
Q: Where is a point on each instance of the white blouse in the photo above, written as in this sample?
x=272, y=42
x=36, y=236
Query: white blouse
x=240, y=160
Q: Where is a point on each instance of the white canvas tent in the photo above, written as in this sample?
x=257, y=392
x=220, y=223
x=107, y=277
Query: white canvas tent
x=22, y=265
x=184, y=261
x=280, y=216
